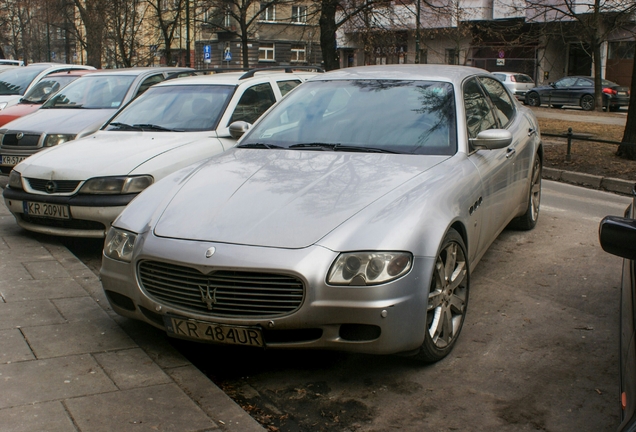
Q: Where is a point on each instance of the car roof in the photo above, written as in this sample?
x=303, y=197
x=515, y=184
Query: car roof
x=74, y=72
x=233, y=78
x=443, y=73
x=136, y=71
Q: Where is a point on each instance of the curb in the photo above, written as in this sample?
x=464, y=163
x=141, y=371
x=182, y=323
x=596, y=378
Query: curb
x=623, y=187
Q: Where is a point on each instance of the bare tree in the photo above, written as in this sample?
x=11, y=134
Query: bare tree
x=125, y=30
x=167, y=15
x=94, y=15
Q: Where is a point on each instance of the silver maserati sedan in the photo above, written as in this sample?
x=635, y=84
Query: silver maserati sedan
x=349, y=217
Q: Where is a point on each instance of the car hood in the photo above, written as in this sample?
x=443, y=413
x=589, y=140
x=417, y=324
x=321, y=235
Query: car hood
x=62, y=120
x=106, y=153
x=282, y=198
x=16, y=111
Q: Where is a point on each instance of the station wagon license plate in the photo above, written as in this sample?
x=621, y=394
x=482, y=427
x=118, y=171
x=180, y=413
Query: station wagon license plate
x=210, y=332
x=12, y=160
x=55, y=211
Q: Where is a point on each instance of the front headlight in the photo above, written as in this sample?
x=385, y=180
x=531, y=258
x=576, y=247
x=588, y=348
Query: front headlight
x=119, y=245
x=116, y=185
x=15, y=180
x=56, y=139
x=369, y=268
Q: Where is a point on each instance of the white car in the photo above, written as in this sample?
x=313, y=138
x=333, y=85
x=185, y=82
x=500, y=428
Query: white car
x=517, y=83
x=16, y=81
x=80, y=187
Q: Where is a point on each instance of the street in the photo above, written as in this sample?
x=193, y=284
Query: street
x=538, y=350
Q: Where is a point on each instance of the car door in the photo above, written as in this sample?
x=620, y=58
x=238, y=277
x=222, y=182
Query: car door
x=581, y=87
x=563, y=91
x=494, y=166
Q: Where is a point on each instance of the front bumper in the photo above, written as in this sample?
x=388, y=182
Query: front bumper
x=383, y=319
x=90, y=215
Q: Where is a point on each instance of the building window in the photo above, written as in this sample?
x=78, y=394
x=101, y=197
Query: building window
x=266, y=52
x=299, y=14
x=269, y=13
x=227, y=19
x=452, y=56
x=298, y=53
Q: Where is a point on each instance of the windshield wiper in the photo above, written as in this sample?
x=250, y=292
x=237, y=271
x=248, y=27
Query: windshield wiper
x=65, y=106
x=259, y=145
x=314, y=146
x=339, y=147
x=124, y=126
x=156, y=127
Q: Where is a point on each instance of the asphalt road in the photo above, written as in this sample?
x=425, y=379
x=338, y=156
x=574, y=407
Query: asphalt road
x=538, y=350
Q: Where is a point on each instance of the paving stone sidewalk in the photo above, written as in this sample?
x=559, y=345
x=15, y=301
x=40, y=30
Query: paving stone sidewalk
x=68, y=363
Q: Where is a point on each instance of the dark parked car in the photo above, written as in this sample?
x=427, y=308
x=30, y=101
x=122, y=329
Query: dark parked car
x=578, y=90
x=618, y=237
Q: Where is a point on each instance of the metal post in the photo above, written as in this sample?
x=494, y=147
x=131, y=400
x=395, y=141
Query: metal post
x=568, y=155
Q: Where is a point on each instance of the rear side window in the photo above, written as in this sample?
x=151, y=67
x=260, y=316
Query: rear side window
x=504, y=107
x=521, y=78
x=253, y=103
x=286, y=86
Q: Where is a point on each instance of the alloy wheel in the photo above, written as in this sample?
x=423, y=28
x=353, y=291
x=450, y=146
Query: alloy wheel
x=587, y=102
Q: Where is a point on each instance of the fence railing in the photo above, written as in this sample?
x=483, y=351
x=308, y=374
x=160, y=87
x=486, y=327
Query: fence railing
x=570, y=135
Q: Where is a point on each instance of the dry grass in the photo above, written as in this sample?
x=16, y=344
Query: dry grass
x=586, y=156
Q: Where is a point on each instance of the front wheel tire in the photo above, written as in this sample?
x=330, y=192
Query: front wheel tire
x=587, y=102
x=533, y=99
x=447, y=299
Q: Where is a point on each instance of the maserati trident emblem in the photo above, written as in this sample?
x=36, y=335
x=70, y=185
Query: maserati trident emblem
x=208, y=295
x=210, y=252
x=50, y=187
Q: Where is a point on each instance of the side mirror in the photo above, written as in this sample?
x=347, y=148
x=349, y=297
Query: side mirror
x=491, y=139
x=551, y=84
x=238, y=128
x=618, y=236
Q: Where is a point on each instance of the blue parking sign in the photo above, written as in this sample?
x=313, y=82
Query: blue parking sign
x=207, y=52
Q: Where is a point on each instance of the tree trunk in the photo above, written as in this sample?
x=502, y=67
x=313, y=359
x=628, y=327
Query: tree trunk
x=629, y=136
x=328, y=29
x=598, y=87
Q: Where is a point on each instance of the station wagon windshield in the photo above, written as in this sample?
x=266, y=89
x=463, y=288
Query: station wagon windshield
x=175, y=108
x=389, y=116
x=93, y=92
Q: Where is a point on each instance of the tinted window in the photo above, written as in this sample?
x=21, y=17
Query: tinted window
x=148, y=82
x=286, y=86
x=584, y=82
x=253, y=103
x=178, y=107
x=46, y=88
x=565, y=82
x=479, y=116
x=504, y=107
x=414, y=117
x=521, y=78
x=15, y=82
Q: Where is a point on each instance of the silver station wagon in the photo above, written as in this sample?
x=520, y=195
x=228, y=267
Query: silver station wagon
x=348, y=217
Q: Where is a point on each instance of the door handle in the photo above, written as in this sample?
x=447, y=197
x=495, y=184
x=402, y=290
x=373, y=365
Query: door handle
x=511, y=152
x=531, y=131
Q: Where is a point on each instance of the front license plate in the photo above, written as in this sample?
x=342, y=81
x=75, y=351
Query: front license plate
x=55, y=211
x=220, y=333
x=12, y=160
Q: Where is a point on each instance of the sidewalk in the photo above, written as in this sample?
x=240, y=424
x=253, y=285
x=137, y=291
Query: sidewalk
x=68, y=363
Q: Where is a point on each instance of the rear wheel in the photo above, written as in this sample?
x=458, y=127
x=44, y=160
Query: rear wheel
x=528, y=220
x=587, y=102
x=447, y=299
x=533, y=99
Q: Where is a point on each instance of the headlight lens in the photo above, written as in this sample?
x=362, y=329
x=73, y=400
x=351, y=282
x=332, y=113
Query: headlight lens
x=119, y=245
x=56, y=139
x=15, y=180
x=369, y=268
x=116, y=185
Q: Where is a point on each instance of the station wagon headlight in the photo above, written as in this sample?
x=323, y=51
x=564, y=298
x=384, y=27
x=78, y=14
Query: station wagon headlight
x=119, y=245
x=369, y=268
x=15, y=180
x=116, y=185
x=56, y=139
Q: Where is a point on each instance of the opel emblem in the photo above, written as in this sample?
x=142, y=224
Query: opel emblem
x=19, y=135
x=210, y=252
x=50, y=187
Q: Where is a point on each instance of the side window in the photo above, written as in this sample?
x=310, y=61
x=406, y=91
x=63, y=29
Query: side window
x=504, y=107
x=565, y=82
x=286, y=86
x=479, y=116
x=253, y=103
x=584, y=83
x=145, y=85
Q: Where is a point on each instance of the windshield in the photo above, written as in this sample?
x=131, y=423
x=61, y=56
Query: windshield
x=46, y=88
x=15, y=81
x=175, y=107
x=413, y=117
x=93, y=92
